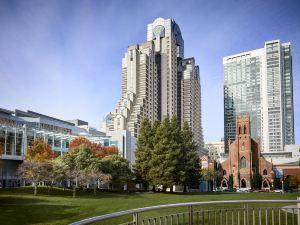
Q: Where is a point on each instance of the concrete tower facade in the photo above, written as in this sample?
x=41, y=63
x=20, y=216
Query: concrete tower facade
x=191, y=98
x=157, y=82
x=169, y=51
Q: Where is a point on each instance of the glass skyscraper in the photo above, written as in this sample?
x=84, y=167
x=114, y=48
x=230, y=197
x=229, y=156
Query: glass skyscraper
x=260, y=83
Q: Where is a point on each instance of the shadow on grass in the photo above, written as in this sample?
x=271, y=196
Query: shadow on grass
x=18, y=210
x=59, y=192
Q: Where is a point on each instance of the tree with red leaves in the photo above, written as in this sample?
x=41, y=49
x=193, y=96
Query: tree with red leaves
x=79, y=141
x=97, y=149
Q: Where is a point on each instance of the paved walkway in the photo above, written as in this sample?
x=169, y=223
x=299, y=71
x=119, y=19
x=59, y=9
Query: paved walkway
x=289, y=209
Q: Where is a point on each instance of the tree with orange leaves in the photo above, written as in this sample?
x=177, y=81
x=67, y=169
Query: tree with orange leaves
x=40, y=151
x=37, y=164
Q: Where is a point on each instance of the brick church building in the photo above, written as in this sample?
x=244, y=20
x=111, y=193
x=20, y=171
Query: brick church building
x=245, y=161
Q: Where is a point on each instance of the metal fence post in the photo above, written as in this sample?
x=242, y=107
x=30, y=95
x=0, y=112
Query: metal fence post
x=244, y=214
x=135, y=218
x=191, y=219
x=298, y=207
x=247, y=208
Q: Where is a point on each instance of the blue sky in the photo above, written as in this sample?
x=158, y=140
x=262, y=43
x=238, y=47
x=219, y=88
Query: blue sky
x=63, y=58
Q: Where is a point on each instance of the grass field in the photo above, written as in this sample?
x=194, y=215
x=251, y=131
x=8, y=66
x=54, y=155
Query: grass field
x=19, y=206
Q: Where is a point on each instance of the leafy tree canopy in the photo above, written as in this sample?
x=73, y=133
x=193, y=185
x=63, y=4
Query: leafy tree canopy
x=40, y=151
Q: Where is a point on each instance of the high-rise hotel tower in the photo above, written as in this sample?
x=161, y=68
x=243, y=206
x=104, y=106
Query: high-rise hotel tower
x=260, y=82
x=157, y=81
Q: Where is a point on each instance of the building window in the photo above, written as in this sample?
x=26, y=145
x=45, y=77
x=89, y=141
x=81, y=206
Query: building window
x=245, y=130
x=243, y=162
x=224, y=172
x=240, y=130
x=265, y=172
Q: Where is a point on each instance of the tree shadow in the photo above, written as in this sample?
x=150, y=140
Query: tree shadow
x=18, y=210
x=59, y=192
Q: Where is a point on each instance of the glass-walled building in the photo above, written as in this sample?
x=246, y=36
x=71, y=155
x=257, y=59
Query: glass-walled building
x=242, y=90
x=19, y=129
x=260, y=83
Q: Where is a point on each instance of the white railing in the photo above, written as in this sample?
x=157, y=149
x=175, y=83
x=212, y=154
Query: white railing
x=199, y=213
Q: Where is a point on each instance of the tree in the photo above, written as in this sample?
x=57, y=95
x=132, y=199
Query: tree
x=205, y=174
x=164, y=161
x=34, y=172
x=143, y=152
x=98, y=177
x=166, y=155
x=190, y=157
x=277, y=183
x=36, y=166
x=178, y=154
x=294, y=180
x=75, y=143
x=40, y=151
x=58, y=171
x=230, y=182
x=101, y=152
x=218, y=178
x=98, y=150
x=77, y=164
x=257, y=181
x=118, y=168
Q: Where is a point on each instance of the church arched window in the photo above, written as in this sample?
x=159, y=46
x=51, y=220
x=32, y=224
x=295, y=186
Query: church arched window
x=240, y=130
x=265, y=172
x=245, y=129
x=224, y=172
x=243, y=162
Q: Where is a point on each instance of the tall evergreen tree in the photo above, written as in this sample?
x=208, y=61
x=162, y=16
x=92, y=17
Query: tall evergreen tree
x=177, y=156
x=160, y=168
x=190, y=157
x=143, y=152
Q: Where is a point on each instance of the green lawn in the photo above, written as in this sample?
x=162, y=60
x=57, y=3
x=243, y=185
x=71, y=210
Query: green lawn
x=19, y=206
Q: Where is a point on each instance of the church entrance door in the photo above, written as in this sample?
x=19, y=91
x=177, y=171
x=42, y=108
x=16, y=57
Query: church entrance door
x=243, y=183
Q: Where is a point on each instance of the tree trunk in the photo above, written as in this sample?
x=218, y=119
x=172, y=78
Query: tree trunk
x=74, y=192
x=95, y=191
x=146, y=186
x=164, y=188
x=171, y=189
x=35, y=189
x=184, y=188
x=153, y=188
